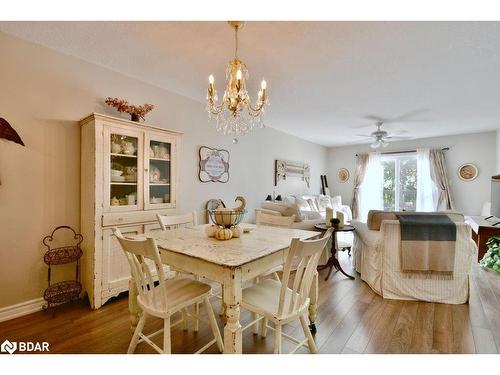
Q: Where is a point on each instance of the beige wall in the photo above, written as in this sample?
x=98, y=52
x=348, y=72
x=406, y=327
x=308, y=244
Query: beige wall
x=468, y=196
x=44, y=93
x=498, y=152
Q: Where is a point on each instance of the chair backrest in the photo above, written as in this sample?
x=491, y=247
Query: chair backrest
x=177, y=221
x=306, y=254
x=137, y=251
x=274, y=220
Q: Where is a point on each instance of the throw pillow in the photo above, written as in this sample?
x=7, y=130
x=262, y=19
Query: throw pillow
x=302, y=204
x=324, y=203
x=336, y=201
x=312, y=205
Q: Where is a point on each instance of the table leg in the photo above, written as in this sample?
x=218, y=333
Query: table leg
x=313, y=303
x=232, y=301
x=133, y=307
x=333, y=261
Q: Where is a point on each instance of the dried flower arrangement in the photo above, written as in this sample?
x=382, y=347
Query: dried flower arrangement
x=135, y=111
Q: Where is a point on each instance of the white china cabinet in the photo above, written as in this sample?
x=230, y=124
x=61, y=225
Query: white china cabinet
x=128, y=175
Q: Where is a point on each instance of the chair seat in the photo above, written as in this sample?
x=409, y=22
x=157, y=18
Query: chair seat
x=264, y=297
x=180, y=292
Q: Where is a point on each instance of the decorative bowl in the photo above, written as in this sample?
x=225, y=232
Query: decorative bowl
x=226, y=218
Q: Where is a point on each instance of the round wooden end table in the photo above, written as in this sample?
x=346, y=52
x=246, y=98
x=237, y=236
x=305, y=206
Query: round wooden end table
x=333, y=261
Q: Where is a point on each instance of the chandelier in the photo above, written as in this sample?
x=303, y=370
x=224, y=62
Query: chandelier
x=235, y=115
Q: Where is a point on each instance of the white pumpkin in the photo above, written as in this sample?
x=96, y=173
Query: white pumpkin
x=210, y=230
x=223, y=234
x=237, y=231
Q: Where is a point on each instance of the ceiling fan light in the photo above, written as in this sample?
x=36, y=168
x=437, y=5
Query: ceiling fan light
x=385, y=144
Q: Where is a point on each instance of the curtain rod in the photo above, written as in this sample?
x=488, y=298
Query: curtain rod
x=405, y=152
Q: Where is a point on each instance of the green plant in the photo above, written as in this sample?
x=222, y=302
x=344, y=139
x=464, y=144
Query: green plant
x=334, y=221
x=492, y=257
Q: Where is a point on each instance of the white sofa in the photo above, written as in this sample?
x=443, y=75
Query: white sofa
x=377, y=259
x=310, y=210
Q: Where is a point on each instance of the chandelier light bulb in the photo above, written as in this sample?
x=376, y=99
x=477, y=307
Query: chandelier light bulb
x=263, y=84
x=211, y=79
x=238, y=75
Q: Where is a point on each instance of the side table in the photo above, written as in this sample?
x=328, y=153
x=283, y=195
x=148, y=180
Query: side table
x=333, y=261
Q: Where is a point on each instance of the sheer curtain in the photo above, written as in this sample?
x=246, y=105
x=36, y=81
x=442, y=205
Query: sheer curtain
x=427, y=194
x=371, y=191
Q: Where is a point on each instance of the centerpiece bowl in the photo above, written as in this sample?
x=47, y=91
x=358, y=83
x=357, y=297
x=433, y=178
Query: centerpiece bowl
x=226, y=218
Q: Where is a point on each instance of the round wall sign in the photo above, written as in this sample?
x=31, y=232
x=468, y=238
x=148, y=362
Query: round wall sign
x=467, y=172
x=343, y=175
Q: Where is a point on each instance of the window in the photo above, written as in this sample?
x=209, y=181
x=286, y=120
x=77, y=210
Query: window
x=400, y=182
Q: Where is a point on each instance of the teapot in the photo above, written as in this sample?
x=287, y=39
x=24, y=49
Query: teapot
x=128, y=148
x=116, y=148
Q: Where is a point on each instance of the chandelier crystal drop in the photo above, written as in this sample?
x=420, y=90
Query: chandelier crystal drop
x=235, y=115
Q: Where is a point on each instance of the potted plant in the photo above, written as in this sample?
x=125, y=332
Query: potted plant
x=335, y=222
x=492, y=257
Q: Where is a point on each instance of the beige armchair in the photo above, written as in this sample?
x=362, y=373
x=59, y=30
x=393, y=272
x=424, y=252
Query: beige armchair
x=377, y=259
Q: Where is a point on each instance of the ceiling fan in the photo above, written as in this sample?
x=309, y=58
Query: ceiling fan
x=381, y=137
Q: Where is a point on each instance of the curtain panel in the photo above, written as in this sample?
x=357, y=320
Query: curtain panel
x=361, y=166
x=439, y=176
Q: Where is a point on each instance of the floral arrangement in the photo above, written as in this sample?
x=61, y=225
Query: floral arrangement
x=135, y=111
x=492, y=257
x=335, y=222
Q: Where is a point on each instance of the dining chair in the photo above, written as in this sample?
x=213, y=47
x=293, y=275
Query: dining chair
x=275, y=301
x=271, y=221
x=167, y=298
x=168, y=222
x=176, y=221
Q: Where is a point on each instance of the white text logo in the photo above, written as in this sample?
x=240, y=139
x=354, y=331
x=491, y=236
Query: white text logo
x=21, y=346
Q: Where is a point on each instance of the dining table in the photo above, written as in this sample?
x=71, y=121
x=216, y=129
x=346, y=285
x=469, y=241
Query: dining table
x=231, y=263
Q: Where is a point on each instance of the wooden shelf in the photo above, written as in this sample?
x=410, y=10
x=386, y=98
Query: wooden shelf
x=125, y=155
x=159, y=159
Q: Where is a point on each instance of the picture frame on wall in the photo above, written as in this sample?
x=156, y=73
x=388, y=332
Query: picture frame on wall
x=467, y=172
x=214, y=165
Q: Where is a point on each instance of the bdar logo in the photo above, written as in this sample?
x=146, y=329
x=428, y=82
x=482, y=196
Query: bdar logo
x=8, y=346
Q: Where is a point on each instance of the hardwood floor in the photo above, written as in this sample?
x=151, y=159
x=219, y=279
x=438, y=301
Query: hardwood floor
x=351, y=319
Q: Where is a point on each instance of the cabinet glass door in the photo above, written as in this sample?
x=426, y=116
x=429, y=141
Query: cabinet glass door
x=159, y=178
x=122, y=170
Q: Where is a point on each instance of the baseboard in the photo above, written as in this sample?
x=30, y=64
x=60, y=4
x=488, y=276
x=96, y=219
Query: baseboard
x=21, y=309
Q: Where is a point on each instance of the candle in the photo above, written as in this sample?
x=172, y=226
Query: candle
x=328, y=216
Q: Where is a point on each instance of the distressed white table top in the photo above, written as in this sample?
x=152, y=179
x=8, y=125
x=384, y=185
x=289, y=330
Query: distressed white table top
x=261, y=241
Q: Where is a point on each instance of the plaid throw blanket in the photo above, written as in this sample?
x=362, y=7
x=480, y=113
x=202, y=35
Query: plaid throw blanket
x=428, y=245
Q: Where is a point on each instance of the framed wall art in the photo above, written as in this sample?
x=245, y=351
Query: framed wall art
x=284, y=169
x=343, y=175
x=467, y=172
x=214, y=165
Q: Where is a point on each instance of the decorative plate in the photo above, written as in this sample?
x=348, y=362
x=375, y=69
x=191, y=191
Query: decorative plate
x=467, y=172
x=343, y=175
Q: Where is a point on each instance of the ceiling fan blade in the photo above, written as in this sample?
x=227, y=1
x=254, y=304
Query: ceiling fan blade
x=396, y=137
x=375, y=118
x=364, y=135
x=361, y=126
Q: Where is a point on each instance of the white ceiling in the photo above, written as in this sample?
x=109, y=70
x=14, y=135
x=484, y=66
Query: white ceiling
x=324, y=78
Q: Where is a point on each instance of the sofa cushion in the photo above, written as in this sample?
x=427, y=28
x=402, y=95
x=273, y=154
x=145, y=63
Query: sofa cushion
x=312, y=204
x=324, y=203
x=302, y=204
x=285, y=209
x=376, y=217
x=336, y=201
